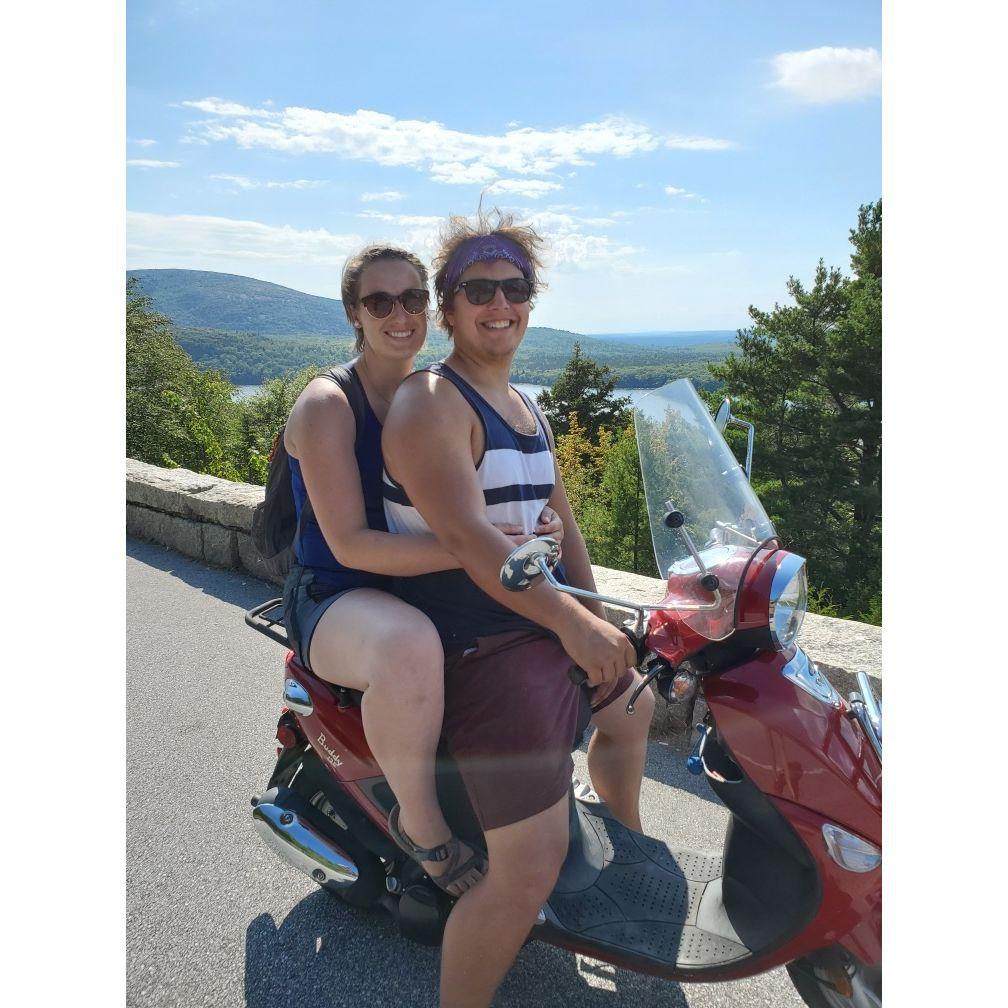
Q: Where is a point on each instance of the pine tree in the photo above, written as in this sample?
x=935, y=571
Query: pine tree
x=809, y=376
x=585, y=389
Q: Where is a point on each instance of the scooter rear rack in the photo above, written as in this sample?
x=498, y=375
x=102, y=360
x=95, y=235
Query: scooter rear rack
x=272, y=627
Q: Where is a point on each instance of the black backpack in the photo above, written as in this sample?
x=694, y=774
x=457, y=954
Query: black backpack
x=275, y=527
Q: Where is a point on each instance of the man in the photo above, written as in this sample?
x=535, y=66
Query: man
x=463, y=449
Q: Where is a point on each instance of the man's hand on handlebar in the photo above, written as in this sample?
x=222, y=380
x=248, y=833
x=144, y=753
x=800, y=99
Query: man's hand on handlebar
x=602, y=650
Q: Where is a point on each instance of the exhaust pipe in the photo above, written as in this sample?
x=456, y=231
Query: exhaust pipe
x=303, y=847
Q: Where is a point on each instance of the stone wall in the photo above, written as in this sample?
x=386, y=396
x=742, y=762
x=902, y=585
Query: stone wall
x=209, y=519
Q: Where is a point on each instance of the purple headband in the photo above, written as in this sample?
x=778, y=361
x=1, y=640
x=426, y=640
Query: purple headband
x=484, y=248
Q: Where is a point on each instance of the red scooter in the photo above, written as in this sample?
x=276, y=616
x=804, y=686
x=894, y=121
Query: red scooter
x=799, y=881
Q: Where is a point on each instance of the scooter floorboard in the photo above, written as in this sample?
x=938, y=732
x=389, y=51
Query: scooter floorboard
x=629, y=892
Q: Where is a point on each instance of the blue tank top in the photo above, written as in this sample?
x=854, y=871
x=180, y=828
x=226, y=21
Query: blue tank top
x=516, y=474
x=312, y=550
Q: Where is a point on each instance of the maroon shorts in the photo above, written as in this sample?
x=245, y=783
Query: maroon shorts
x=512, y=718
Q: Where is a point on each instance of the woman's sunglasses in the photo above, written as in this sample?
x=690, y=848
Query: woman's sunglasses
x=517, y=290
x=379, y=305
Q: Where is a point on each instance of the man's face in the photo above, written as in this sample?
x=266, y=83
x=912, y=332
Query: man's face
x=496, y=328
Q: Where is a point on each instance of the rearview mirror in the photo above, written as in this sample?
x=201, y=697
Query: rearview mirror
x=521, y=570
x=723, y=415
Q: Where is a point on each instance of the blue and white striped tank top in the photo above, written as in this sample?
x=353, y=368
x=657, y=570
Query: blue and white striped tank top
x=516, y=474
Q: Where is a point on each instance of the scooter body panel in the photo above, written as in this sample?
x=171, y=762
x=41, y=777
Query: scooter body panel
x=796, y=747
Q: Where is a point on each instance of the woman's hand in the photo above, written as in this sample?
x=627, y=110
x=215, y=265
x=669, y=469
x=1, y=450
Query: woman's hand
x=550, y=525
x=514, y=532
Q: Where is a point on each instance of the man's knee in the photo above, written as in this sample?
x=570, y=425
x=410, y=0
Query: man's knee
x=530, y=869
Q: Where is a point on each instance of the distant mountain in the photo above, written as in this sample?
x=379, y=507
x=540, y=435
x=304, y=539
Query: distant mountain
x=672, y=337
x=201, y=299
x=252, y=330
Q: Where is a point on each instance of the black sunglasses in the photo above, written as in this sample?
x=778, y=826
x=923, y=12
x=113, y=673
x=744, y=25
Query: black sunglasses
x=379, y=305
x=517, y=290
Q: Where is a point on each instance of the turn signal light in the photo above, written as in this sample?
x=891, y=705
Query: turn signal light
x=850, y=851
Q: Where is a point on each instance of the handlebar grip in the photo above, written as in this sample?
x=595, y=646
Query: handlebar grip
x=577, y=675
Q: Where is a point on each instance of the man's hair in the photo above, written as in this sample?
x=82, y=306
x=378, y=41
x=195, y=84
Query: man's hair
x=353, y=270
x=461, y=229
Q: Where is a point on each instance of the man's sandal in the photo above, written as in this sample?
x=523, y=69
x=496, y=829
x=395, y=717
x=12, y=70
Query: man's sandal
x=450, y=851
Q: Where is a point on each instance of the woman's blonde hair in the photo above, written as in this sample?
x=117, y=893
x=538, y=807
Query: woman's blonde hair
x=461, y=229
x=353, y=270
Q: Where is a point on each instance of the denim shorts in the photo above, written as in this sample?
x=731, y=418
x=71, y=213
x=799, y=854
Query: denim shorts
x=305, y=600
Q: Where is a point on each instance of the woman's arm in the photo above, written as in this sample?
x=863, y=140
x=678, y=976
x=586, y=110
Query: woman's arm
x=320, y=435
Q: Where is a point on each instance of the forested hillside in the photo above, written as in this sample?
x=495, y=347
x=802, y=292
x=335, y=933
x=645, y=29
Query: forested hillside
x=252, y=331
x=240, y=304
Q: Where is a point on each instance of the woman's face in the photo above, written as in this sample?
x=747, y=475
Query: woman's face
x=399, y=334
x=496, y=328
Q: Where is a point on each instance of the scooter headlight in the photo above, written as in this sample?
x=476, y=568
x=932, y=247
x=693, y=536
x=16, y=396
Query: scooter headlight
x=788, y=600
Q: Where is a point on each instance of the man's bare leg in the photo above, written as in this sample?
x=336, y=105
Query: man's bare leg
x=617, y=751
x=489, y=923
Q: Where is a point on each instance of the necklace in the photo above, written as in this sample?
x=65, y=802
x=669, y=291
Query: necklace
x=371, y=382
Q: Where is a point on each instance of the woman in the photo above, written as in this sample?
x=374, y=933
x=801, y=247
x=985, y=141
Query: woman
x=343, y=622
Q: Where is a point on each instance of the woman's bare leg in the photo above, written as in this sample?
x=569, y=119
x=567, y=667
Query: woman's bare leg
x=487, y=926
x=617, y=751
x=370, y=641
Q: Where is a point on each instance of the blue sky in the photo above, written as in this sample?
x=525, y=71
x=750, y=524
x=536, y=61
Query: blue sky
x=682, y=158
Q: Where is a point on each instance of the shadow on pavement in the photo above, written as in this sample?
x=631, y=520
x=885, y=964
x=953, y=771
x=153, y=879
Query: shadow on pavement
x=234, y=587
x=326, y=954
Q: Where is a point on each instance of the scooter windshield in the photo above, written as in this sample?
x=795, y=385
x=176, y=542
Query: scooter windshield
x=688, y=467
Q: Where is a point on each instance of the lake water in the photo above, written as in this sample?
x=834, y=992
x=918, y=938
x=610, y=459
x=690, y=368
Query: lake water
x=245, y=391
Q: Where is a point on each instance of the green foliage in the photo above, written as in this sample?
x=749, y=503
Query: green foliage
x=262, y=416
x=584, y=388
x=176, y=414
x=809, y=376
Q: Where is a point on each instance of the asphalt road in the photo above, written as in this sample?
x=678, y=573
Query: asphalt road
x=215, y=919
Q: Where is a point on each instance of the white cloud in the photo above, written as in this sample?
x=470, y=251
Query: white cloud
x=456, y=173
x=671, y=190
x=401, y=220
x=144, y=142
x=250, y=183
x=382, y=197
x=532, y=188
x=451, y=156
x=698, y=143
x=146, y=163
x=828, y=74
x=190, y=240
x=217, y=106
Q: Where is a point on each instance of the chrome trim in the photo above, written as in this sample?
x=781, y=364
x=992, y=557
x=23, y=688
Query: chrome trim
x=868, y=712
x=872, y=705
x=788, y=568
x=296, y=697
x=806, y=675
x=302, y=846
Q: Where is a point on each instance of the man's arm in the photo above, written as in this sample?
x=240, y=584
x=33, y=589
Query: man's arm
x=427, y=444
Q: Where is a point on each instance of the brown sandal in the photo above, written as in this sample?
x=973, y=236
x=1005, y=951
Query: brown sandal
x=449, y=851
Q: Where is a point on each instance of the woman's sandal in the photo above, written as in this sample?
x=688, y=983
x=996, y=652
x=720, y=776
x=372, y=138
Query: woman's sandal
x=449, y=851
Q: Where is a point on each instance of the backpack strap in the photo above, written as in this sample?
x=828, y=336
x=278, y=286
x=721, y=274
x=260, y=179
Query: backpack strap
x=350, y=384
